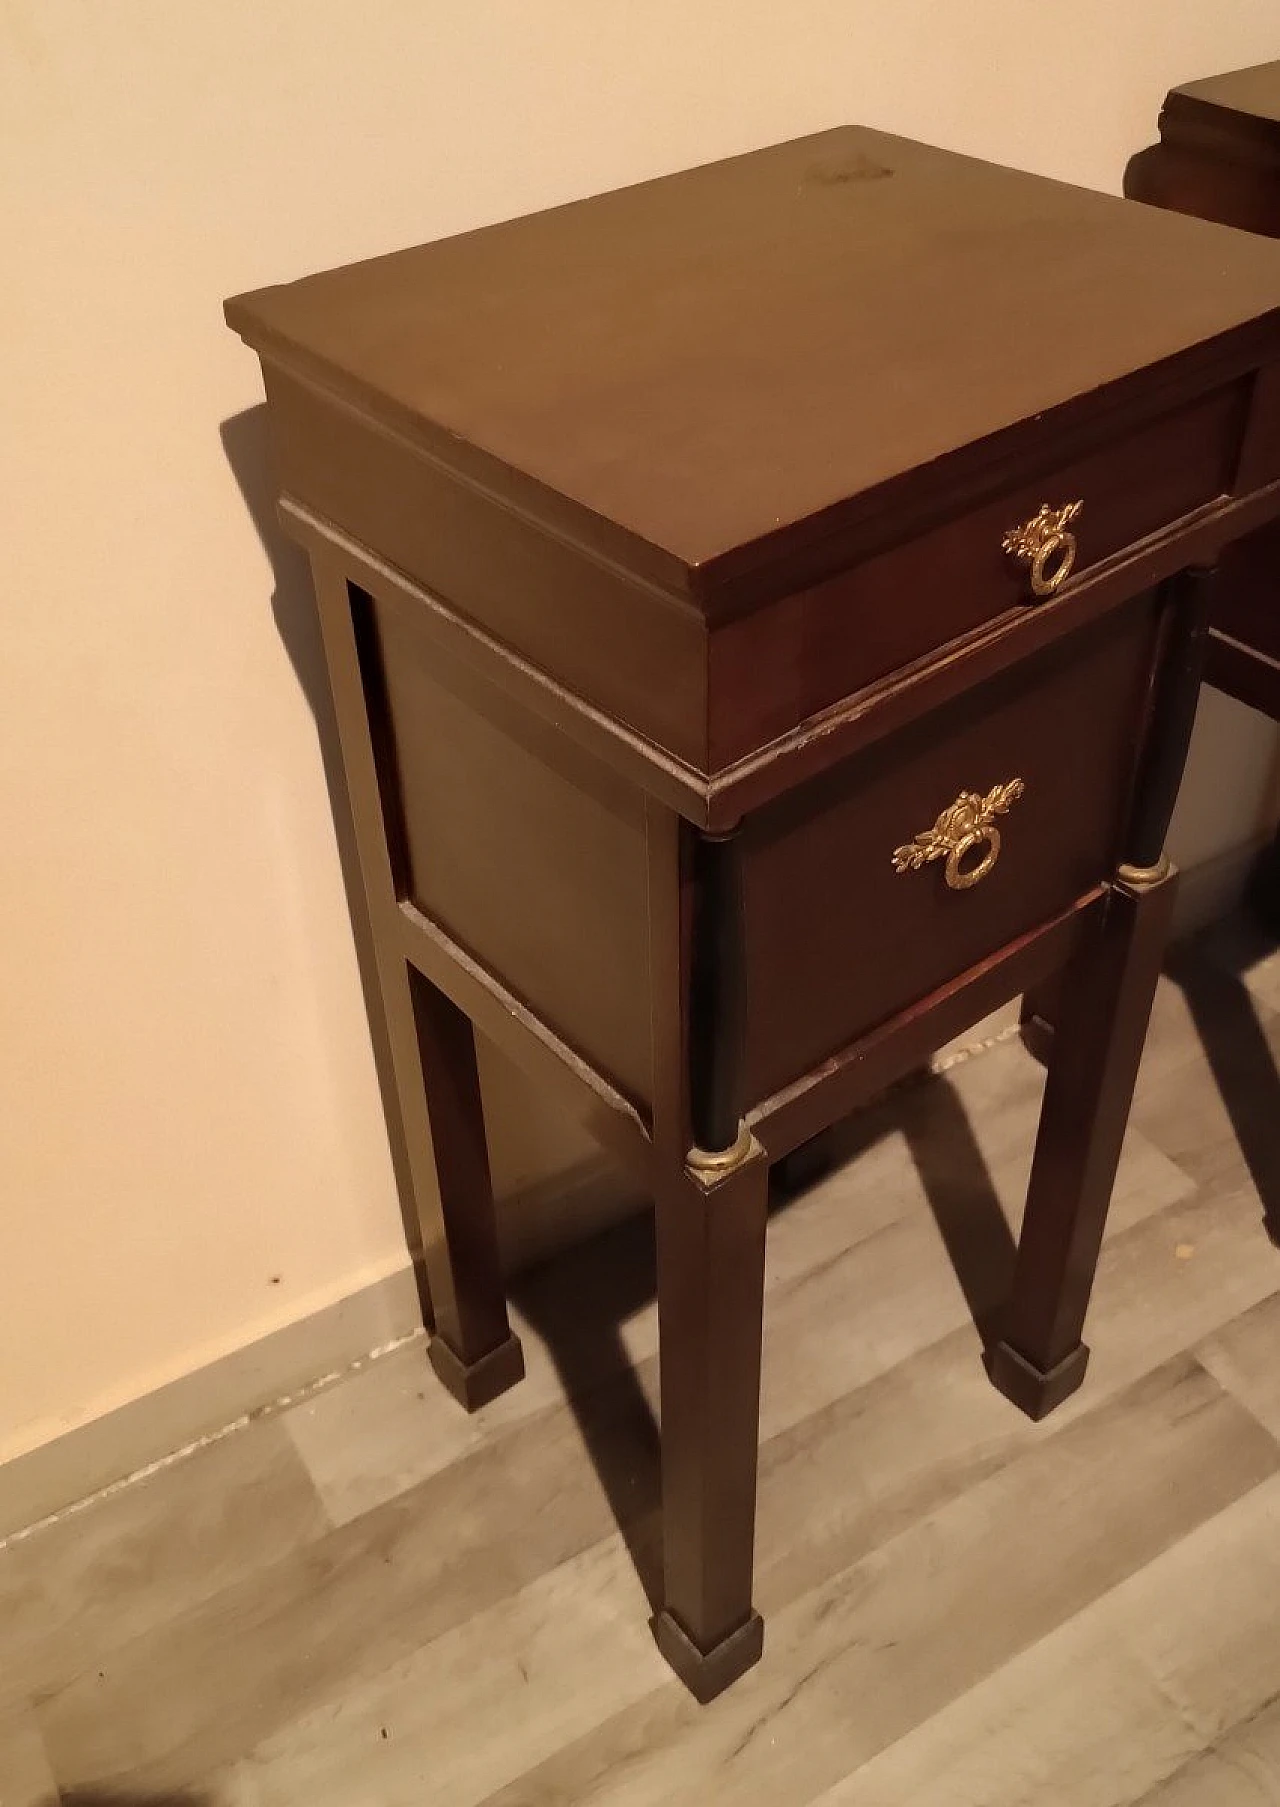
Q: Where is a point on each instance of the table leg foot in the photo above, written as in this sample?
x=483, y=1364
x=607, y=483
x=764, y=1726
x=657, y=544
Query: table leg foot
x=1028, y=1387
x=476, y=1383
x=1040, y=1011
x=706, y=1673
x=1037, y=1037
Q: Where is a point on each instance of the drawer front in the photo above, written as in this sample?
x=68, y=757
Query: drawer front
x=775, y=667
x=842, y=935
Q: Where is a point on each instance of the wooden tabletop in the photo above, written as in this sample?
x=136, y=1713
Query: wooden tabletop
x=703, y=360
x=1253, y=93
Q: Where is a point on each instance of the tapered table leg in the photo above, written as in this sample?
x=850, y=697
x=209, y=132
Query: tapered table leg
x=427, y=1053
x=1039, y=1013
x=1089, y=1023
x=711, y=1237
x=1097, y=1044
x=473, y=1351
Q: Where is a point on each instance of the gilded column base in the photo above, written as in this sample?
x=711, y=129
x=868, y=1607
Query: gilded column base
x=1145, y=878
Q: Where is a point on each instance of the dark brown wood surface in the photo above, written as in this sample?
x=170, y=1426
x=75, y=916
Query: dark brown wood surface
x=711, y=1245
x=781, y=664
x=1226, y=101
x=1106, y=995
x=1219, y=151
x=631, y=647
x=679, y=372
x=717, y=991
x=837, y=939
x=534, y=863
x=1101, y=1003
x=462, y=411
x=1171, y=714
x=903, y=1043
x=1219, y=157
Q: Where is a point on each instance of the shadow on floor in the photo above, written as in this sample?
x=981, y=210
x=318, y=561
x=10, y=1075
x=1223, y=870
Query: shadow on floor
x=293, y=605
x=1236, y=1049
x=580, y=1302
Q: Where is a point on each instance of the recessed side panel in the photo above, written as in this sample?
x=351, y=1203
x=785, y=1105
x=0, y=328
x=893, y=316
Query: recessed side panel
x=527, y=851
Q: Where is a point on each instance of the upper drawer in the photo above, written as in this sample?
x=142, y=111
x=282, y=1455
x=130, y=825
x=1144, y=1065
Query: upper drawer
x=784, y=662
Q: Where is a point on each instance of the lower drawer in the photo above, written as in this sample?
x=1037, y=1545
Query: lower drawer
x=862, y=893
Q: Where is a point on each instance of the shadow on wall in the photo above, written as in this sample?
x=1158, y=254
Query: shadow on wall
x=574, y=1187
x=245, y=442
x=1142, y=176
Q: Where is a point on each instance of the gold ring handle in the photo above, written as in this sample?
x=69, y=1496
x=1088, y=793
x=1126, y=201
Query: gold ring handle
x=959, y=876
x=963, y=827
x=1046, y=546
x=1046, y=577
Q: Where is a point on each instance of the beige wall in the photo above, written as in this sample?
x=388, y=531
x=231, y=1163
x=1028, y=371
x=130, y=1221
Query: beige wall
x=191, y=1152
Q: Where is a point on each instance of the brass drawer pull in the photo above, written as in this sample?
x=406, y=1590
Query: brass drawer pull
x=963, y=827
x=1045, y=544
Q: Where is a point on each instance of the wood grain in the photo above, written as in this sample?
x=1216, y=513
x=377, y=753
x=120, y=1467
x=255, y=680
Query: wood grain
x=636, y=424
x=837, y=938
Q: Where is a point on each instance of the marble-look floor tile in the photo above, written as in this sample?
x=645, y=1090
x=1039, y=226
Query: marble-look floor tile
x=856, y=1664
x=1239, y=1769
x=1241, y=947
x=1244, y=1355
x=76, y=1590
x=1118, y=1698
x=536, y=1672
x=880, y=1454
x=200, y=1692
x=382, y=1431
x=591, y=1316
x=529, y=1496
x=931, y=1566
x=25, y=1777
x=570, y=1650
x=1209, y=1090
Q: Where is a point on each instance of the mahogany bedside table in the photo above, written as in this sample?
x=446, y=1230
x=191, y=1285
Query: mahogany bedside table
x=1219, y=158
x=764, y=609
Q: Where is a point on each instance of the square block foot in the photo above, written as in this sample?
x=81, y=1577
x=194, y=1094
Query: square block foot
x=476, y=1384
x=1032, y=1392
x=708, y=1673
x=1037, y=1038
